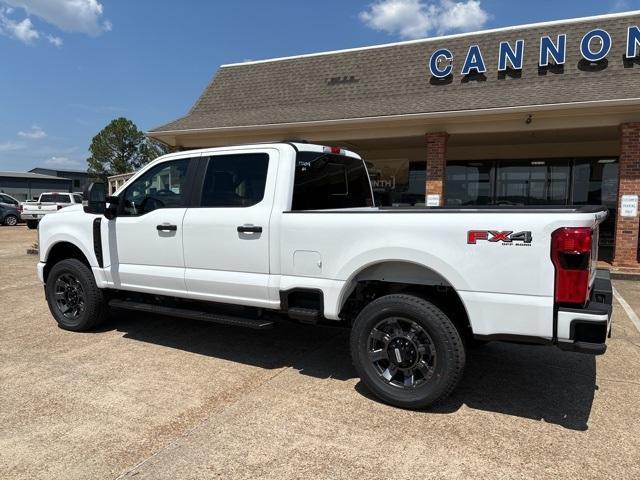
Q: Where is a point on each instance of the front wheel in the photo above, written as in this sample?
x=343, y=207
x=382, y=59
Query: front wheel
x=11, y=220
x=74, y=299
x=407, y=351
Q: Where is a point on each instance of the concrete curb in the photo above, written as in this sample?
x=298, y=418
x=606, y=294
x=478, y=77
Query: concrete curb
x=625, y=276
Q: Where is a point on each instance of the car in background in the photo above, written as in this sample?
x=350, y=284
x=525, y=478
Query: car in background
x=9, y=215
x=49, y=202
x=8, y=200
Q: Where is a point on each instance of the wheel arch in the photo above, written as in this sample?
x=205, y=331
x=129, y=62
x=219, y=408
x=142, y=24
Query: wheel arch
x=60, y=251
x=411, y=277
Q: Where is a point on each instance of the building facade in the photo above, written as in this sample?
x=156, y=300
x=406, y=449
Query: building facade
x=28, y=186
x=80, y=179
x=116, y=181
x=543, y=114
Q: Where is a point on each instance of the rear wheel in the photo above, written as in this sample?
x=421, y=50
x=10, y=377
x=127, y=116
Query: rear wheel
x=74, y=299
x=32, y=224
x=11, y=220
x=407, y=351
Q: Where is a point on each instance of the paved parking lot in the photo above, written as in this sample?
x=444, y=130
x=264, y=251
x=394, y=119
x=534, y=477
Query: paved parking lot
x=159, y=398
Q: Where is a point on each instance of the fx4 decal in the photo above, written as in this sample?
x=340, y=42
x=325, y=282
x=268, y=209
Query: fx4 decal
x=494, y=236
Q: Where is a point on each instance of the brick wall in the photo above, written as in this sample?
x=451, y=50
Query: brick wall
x=436, y=163
x=626, y=242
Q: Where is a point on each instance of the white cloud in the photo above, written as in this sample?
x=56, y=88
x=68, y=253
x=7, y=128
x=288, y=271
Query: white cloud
x=35, y=133
x=57, y=41
x=620, y=6
x=10, y=146
x=63, y=162
x=83, y=16
x=419, y=18
x=22, y=31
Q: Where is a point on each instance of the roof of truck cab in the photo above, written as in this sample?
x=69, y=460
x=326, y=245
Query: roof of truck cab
x=297, y=145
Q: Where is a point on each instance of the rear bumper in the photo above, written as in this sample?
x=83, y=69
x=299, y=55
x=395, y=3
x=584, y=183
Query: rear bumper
x=586, y=330
x=31, y=216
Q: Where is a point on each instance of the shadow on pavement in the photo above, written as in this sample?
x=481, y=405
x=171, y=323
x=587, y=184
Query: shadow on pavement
x=534, y=382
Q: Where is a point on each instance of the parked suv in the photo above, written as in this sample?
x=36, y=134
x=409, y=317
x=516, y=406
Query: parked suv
x=9, y=215
x=8, y=200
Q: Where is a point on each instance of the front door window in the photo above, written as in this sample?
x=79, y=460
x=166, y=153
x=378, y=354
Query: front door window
x=160, y=187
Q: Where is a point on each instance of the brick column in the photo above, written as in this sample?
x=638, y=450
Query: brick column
x=626, y=240
x=436, y=163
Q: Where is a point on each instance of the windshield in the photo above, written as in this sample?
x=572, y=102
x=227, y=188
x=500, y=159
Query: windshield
x=328, y=181
x=54, y=198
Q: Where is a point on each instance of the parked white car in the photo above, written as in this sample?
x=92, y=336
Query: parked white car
x=252, y=235
x=48, y=202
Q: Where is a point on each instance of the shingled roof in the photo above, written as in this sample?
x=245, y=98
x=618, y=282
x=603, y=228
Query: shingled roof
x=394, y=79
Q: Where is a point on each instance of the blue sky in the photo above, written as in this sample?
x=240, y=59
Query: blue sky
x=70, y=66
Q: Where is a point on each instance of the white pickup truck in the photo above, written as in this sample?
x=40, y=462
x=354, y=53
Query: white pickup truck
x=252, y=235
x=48, y=202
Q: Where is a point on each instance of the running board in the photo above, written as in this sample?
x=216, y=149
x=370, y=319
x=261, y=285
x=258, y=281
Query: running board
x=255, y=323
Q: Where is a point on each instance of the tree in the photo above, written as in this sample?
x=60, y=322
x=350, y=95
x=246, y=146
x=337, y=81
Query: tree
x=121, y=148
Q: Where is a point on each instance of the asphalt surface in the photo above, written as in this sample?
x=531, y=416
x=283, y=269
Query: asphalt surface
x=160, y=398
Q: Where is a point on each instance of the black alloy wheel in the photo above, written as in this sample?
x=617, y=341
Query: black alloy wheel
x=69, y=296
x=402, y=352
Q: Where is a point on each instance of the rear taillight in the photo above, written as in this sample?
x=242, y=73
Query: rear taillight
x=571, y=256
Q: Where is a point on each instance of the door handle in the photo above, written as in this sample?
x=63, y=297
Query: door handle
x=165, y=227
x=249, y=229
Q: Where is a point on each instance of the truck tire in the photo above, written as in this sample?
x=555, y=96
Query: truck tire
x=74, y=299
x=10, y=220
x=407, y=351
x=32, y=224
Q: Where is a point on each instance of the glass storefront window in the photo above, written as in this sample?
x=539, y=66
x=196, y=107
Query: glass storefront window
x=397, y=182
x=583, y=181
x=469, y=184
x=595, y=182
x=534, y=182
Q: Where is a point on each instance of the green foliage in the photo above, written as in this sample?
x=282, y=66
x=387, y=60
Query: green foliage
x=121, y=148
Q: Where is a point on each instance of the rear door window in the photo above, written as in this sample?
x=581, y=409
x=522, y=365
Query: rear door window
x=328, y=181
x=235, y=180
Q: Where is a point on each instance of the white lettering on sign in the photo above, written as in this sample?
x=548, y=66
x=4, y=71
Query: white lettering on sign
x=629, y=206
x=433, y=200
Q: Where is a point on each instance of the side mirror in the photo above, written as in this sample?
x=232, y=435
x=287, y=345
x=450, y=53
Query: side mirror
x=94, y=198
x=112, y=210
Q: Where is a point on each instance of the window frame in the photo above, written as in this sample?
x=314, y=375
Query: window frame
x=193, y=166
